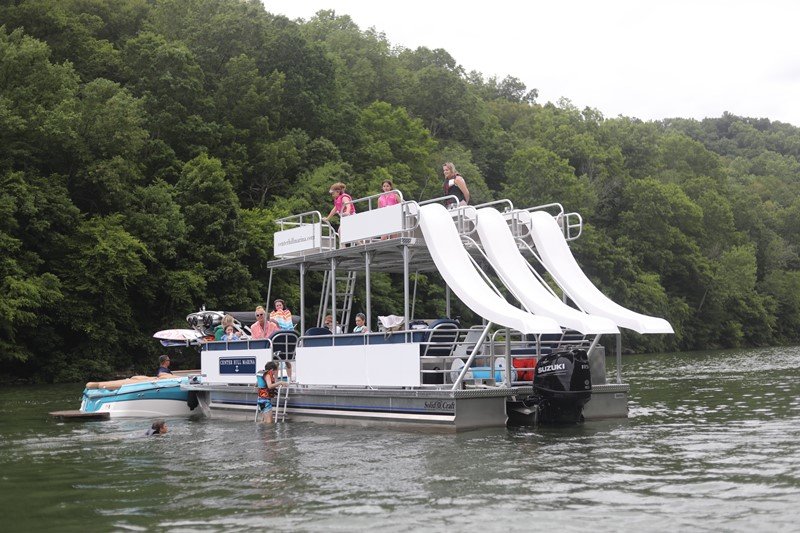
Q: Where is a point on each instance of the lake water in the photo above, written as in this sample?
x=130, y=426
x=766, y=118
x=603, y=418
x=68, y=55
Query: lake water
x=712, y=444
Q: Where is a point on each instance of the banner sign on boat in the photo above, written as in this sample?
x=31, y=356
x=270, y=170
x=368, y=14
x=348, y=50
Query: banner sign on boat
x=291, y=241
x=374, y=223
x=237, y=365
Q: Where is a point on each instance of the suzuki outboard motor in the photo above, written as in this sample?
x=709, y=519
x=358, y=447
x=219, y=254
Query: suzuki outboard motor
x=562, y=384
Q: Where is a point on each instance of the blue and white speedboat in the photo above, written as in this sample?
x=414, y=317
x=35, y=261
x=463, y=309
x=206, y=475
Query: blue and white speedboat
x=140, y=396
x=145, y=396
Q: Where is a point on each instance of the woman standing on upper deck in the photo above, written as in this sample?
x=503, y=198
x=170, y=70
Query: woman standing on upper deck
x=454, y=185
x=342, y=202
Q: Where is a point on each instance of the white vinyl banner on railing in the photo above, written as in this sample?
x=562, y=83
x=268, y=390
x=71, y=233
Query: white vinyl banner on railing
x=369, y=224
x=381, y=365
x=302, y=238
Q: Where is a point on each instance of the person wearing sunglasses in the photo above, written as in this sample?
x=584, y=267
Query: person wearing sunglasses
x=263, y=327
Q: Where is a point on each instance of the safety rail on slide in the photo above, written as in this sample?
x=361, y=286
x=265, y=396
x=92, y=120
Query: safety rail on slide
x=571, y=224
x=465, y=217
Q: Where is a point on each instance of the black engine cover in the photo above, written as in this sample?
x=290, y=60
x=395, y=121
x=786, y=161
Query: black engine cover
x=562, y=384
x=564, y=376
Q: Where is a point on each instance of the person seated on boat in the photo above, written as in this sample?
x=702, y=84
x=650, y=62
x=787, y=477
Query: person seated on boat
x=281, y=316
x=220, y=330
x=267, y=385
x=361, y=320
x=163, y=368
x=159, y=427
x=328, y=323
x=263, y=328
x=230, y=334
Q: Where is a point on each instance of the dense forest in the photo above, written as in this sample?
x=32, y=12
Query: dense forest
x=146, y=146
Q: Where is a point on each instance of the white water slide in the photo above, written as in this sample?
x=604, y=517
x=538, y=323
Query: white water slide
x=455, y=266
x=557, y=258
x=501, y=249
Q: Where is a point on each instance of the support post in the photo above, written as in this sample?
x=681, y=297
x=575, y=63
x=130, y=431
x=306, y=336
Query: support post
x=333, y=295
x=302, y=297
x=508, y=357
x=367, y=261
x=405, y=285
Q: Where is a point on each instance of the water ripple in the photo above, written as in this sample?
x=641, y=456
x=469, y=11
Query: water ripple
x=711, y=444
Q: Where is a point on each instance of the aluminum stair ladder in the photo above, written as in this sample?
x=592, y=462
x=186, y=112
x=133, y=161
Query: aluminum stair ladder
x=345, y=297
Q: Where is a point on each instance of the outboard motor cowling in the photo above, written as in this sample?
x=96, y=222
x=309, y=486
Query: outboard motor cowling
x=562, y=384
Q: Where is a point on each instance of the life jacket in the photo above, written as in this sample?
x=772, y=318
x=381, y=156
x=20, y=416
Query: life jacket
x=345, y=199
x=264, y=392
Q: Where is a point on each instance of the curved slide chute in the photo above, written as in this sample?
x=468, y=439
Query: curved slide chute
x=511, y=266
x=559, y=261
x=455, y=266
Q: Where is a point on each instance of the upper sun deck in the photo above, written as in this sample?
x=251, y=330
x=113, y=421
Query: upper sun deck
x=386, y=234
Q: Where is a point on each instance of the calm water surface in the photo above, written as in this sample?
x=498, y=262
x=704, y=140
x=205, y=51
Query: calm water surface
x=711, y=445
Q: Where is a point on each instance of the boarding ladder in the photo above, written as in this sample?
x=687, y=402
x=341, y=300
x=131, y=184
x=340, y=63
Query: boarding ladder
x=346, y=299
x=282, y=398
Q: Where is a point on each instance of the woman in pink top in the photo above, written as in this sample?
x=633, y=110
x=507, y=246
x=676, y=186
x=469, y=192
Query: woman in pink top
x=342, y=205
x=342, y=202
x=388, y=198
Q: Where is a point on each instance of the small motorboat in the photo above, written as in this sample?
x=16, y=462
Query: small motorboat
x=139, y=396
x=143, y=396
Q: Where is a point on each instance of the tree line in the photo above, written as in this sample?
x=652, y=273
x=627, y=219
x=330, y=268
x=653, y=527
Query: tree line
x=147, y=146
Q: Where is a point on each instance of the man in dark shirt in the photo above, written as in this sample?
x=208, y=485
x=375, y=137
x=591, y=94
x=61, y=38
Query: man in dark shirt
x=163, y=369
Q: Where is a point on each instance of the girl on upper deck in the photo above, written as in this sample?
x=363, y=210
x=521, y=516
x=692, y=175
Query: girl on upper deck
x=389, y=197
x=342, y=202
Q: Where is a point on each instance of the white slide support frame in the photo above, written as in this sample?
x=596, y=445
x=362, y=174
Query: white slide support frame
x=513, y=269
x=557, y=258
x=455, y=266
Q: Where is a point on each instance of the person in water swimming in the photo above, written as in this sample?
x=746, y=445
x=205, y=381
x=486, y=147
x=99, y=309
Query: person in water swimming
x=159, y=427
